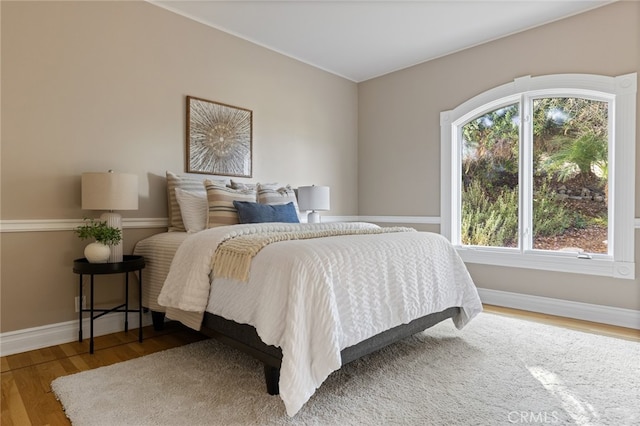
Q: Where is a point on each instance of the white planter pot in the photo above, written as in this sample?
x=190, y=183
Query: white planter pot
x=97, y=253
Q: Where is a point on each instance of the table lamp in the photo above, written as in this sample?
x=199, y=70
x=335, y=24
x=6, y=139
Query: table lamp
x=314, y=198
x=110, y=191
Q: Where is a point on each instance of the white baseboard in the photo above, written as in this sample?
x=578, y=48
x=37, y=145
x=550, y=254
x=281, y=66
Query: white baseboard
x=55, y=334
x=14, y=342
x=628, y=318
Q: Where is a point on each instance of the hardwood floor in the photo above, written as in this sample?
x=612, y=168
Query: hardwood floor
x=27, y=398
x=574, y=324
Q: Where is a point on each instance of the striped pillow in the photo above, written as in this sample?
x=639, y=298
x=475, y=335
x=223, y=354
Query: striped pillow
x=192, y=183
x=274, y=194
x=220, y=199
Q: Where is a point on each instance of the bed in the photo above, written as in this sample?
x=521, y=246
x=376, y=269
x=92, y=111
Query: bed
x=311, y=301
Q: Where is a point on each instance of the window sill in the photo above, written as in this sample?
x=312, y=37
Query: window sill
x=597, y=266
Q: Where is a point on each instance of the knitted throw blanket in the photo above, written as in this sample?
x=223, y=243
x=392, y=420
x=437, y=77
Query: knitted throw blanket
x=233, y=257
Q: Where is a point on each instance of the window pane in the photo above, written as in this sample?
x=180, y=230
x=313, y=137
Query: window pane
x=490, y=179
x=570, y=165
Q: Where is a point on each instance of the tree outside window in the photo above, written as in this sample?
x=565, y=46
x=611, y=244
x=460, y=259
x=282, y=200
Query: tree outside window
x=540, y=173
x=569, y=176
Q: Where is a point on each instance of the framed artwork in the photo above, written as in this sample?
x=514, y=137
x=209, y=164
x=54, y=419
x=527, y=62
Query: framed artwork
x=219, y=138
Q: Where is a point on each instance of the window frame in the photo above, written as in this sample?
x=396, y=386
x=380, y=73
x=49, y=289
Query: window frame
x=621, y=92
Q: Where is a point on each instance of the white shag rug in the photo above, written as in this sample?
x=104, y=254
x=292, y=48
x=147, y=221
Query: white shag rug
x=496, y=371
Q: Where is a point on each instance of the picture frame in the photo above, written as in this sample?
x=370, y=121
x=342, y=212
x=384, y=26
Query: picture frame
x=219, y=138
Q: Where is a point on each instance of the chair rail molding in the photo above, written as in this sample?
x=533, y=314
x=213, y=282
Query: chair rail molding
x=43, y=225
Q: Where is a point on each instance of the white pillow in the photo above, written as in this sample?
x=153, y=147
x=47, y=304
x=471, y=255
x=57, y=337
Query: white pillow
x=193, y=208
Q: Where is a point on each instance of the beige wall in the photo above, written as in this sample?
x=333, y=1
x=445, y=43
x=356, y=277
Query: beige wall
x=92, y=86
x=399, y=130
x=88, y=86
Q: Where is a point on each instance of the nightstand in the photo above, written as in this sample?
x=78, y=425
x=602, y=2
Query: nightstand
x=129, y=264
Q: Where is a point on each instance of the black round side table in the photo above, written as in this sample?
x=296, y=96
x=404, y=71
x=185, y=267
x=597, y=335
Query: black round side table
x=129, y=263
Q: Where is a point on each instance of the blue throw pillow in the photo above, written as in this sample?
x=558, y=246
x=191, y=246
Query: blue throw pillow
x=249, y=212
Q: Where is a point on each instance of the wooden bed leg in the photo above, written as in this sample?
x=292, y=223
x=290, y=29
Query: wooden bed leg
x=272, y=377
x=158, y=320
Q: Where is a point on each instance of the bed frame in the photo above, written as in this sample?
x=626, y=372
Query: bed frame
x=245, y=338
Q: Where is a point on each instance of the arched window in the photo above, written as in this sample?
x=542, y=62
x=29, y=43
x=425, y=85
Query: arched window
x=539, y=173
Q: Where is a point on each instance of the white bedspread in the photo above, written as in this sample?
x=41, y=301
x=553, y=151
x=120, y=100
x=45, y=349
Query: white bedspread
x=313, y=298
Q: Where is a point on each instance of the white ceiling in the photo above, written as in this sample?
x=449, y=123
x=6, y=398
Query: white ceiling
x=360, y=40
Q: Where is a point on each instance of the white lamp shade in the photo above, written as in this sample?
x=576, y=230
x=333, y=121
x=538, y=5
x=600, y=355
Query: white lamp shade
x=314, y=198
x=109, y=191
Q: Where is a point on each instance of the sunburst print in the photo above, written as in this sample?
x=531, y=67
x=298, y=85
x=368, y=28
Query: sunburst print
x=218, y=138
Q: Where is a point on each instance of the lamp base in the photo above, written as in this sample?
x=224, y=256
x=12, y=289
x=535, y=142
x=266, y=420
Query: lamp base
x=313, y=217
x=114, y=220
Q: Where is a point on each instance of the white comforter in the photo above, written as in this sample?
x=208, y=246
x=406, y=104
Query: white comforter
x=313, y=298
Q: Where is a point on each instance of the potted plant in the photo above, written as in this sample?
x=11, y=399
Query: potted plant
x=105, y=236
